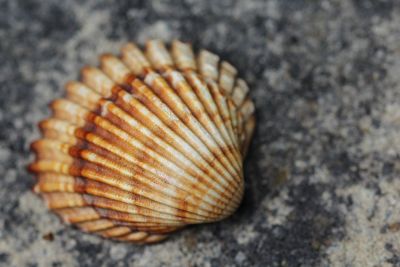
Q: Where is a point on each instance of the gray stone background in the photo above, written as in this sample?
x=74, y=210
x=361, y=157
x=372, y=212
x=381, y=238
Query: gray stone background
x=322, y=176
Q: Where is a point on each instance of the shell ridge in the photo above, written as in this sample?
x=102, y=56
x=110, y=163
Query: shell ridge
x=223, y=107
x=183, y=56
x=133, y=57
x=207, y=63
x=240, y=92
x=134, y=236
x=114, y=231
x=249, y=128
x=227, y=77
x=158, y=55
x=234, y=117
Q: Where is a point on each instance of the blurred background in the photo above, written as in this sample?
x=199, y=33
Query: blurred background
x=322, y=175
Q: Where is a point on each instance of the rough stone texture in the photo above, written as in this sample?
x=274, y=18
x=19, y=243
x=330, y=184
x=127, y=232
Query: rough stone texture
x=322, y=184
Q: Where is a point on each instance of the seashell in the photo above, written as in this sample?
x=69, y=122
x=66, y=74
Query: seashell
x=146, y=144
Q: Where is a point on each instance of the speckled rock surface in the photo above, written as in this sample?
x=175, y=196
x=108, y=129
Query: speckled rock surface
x=322, y=184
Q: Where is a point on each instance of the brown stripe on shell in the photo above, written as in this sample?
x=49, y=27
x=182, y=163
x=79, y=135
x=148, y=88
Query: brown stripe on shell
x=240, y=92
x=81, y=94
x=69, y=111
x=97, y=80
x=222, y=104
x=208, y=65
x=137, y=221
x=240, y=125
x=134, y=59
x=249, y=129
x=183, y=56
x=159, y=229
x=58, y=130
x=153, y=239
x=95, y=225
x=77, y=215
x=133, y=237
x=54, y=182
x=247, y=109
x=227, y=75
x=114, y=232
x=158, y=55
x=234, y=118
